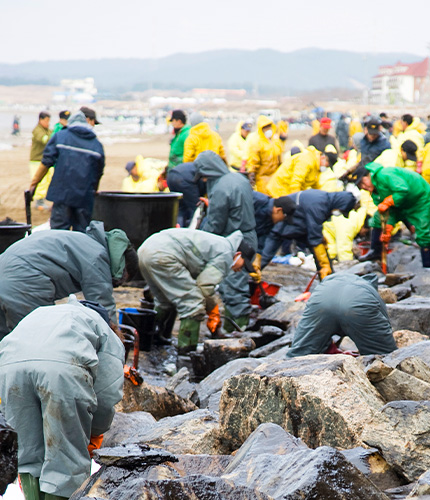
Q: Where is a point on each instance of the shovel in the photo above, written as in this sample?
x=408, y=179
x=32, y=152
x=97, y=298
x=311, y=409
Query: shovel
x=306, y=295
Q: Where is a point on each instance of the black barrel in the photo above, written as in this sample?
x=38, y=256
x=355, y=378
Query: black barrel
x=11, y=233
x=138, y=214
x=142, y=320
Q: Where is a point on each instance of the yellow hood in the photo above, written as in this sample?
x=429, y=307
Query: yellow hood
x=202, y=129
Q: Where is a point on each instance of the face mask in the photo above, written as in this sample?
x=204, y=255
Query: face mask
x=268, y=133
x=336, y=212
x=323, y=169
x=177, y=129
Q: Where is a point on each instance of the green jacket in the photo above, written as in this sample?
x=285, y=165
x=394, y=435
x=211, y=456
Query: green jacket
x=57, y=127
x=177, y=147
x=411, y=195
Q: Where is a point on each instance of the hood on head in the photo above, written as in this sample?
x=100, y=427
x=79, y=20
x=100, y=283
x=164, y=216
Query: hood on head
x=77, y=119
x=342, y=201
x=262, y=122
x=209, y=164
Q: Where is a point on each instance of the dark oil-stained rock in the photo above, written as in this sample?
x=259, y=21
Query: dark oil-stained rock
x=401, y=431
x=411, y=314
x=219, y=352
x=158, y=401
x=324, y=400
x=132, y=456
x=8, y=455
x=266, y=350
x=283, y=315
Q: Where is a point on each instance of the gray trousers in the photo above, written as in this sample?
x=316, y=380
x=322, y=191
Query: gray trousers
x=235, y=294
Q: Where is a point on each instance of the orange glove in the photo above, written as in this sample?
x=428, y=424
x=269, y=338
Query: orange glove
x=386, y=204
x=386, y=237
x=205, y=201
x=214, y=319
x=95, y=444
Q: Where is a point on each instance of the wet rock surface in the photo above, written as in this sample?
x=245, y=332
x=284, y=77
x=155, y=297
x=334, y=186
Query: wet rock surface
x=422, y=487
x=8, y=455
x=412, y=314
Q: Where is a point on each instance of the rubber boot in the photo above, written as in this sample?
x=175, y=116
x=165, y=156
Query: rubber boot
x=375, y=250
x=30, y=487
x=188, y=336
x=163, y=326
x=425, y=256
x=241, y=321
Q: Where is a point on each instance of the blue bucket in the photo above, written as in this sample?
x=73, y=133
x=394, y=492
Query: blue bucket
x=142, y=320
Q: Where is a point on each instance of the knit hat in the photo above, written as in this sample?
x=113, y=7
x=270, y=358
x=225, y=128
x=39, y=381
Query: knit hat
x=196, y=118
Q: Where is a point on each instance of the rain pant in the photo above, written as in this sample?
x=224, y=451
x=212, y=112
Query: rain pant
x=176, y=153
x=61, y=373
x=411, y=195
x=148, y=170
x=314, y=207
x=339, y=233
x=230, y=209
x=263, y=207
x=237, y=148
x=50, y=265
x=183, y=266
x=180, y=179
x=40, y=138
x=202, y=138
x=264, y=155
x=297, y=173
x=346, y=305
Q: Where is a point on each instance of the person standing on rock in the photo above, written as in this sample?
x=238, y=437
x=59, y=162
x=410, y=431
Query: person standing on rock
x=182, y=268
x=230, y=209
x=61, y=373
x=346, y=305
x=50, y=265
x=401, y=195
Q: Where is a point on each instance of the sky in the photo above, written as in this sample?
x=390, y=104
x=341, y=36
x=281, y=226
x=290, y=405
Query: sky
x=97, y=29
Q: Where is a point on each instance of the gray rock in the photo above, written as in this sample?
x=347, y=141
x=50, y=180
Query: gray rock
x=180, y=384
x=402, y=291
x=363, y=268
x=282, y=315
x=132, y=456
x=261, y=352
x=422, y=487
x=401, y=432
x=8, y=455
x=324, y=400
x=420, y=350
x=411, y=314
x=124, y=427
x=402, y=386
x=214, y=381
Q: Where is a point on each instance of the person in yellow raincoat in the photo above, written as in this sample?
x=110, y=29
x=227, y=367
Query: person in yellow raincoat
x=143, y=175
x=355, y=127
x=278, y=184
x=282, y=131
x=406, y=157
x=425, y=172
x=237, y=146
x=411, y=130
x=264, y=153
x=202, y=138
x=315, y=126
x=328, y=180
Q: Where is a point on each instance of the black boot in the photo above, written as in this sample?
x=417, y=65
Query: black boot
x=163, y=326
x=425, y=256
x=375, y=250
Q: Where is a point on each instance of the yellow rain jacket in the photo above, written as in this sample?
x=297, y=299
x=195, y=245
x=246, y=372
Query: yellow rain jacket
x=282, y=128
x=263, y=154
x=393, y=158
x=354, y=127
x=426, y=163
x=315, y=126
x=148, y=169
x=412, y=134
x=237, y=149
x=340, y=232
x=397, y=128
x=297, y=173
x=202, y=138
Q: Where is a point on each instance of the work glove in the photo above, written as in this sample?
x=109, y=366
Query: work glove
x=205, y=201
x=386, y=204
x=95, y=444
x=321, y=256
x=214, y=320
x=256, y=275
x=386, y=236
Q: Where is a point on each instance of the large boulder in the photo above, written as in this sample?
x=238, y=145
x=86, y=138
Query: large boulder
x=401, y=430
x=405, y=338
x=218, y=352
x=420, y=350
x=411, y=314
x=324, y=400
x=8, y=455
x=124, y=427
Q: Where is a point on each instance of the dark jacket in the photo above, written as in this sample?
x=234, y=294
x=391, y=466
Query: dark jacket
x=371, y=150
x=319, y=141
x=263, y=206
x=314, y=207
x=79, y=161
x=230, y=199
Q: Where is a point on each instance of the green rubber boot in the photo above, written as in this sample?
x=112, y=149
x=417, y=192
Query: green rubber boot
x=241, y=321
x=188, y=336
x=31, y=489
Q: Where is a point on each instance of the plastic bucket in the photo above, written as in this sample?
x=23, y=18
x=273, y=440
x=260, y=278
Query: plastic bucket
x=142, y=320
x=138, y=214
x=11, y=233
x=364, y=247
x=270, y=289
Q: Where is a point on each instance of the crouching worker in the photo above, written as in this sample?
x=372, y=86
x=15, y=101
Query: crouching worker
x=50, y=265
x=61, y=373
x=346, y=305
x=182, y=268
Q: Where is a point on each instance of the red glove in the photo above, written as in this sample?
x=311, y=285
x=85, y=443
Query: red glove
x=95, y=444
x=205, y=201
x=386, y=237
x=386, y=204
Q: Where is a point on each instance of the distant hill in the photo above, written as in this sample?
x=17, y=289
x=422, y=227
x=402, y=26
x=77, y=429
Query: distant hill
x=265, y=70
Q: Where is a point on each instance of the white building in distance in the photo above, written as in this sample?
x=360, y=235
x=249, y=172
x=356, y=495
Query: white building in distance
x=402, y=83
x=80, y=90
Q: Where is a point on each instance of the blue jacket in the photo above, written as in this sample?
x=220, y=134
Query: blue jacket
x=371, y=150
x=79, y=161
x=230, y=199
x=181, y=180
x=263, y=206
x=314, y=207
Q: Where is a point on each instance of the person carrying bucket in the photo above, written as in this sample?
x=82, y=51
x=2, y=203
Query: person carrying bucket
x=182, y=267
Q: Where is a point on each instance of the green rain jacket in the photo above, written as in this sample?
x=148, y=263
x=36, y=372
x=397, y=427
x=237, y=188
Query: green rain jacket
x=176, y=154
x=411, y=195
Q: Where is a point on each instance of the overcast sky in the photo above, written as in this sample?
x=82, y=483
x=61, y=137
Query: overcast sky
x=93, y=29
